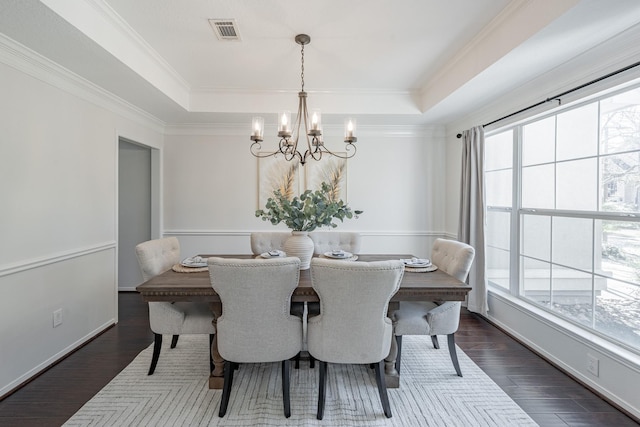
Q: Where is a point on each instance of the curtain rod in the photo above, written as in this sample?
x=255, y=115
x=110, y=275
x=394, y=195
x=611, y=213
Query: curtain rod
x=558, y=96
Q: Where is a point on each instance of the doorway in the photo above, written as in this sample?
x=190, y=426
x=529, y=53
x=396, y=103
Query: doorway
x=135, y=209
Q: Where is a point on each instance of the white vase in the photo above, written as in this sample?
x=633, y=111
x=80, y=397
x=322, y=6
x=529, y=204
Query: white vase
x=300, y=245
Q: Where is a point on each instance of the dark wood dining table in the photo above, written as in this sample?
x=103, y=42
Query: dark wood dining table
x=195, y=286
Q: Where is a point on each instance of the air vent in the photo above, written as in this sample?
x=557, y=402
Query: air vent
x=225, y=29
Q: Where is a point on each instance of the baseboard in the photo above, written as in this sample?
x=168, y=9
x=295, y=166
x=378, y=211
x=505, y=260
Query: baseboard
x=53, y=360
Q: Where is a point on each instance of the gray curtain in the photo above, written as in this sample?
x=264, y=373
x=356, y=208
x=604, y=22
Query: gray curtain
x=471, y=224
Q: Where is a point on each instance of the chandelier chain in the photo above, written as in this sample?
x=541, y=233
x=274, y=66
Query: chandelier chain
x=302, y=66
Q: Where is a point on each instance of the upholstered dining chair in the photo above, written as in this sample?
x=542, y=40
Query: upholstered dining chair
x=265, y=241
x=256, y=325
x=171, y=318
x=326, y=241
x=428, y=318
x=342, y=334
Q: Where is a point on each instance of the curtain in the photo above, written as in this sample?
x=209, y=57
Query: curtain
x=471, y=223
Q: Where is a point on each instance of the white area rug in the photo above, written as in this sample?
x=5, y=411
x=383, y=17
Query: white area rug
x=177, y=394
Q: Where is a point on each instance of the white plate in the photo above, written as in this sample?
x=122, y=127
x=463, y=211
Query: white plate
x=194, y=262
x=342, y=256
x=269, y=254
x=416, y=262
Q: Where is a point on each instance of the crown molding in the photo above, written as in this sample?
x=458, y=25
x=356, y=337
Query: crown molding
x=23, y=59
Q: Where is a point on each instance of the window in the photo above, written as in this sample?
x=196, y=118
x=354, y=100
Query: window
x=563, y=214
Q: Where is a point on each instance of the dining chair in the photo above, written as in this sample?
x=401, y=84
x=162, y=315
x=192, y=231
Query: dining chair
x=327, y=241
x=256, y=325
x=429, y=318
x=171, y=318
x=265, y=241
x=353, y=327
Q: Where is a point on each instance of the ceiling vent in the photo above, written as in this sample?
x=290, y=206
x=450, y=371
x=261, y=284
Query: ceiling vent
x=225, y=29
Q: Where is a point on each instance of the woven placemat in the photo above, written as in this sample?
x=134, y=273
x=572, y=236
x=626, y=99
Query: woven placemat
x=421, y=270
x=351, y=258
x=182, y=269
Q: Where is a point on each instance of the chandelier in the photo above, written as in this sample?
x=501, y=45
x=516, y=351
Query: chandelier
x=288, y=145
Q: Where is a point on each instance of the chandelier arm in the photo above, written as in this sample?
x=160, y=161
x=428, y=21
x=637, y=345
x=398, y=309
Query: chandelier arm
x=348, y=148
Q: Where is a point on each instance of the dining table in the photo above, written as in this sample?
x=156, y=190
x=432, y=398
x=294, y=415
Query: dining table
x=195, y=286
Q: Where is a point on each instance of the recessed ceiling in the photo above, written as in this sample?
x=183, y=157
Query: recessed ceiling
x=423, y=61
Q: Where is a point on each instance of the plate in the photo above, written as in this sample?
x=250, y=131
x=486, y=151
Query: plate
x=342, y=255
x=194, y=262
x=273, y=254
x=417, y=262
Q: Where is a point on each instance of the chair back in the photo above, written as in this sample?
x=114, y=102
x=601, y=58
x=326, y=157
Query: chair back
x=353, y=326
x=157, y=256
x=326, y=241
x=453, y=257
x=265, y=241
x=256, y=325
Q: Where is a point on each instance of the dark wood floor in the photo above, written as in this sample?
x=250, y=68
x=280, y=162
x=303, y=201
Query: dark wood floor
x=550, y=397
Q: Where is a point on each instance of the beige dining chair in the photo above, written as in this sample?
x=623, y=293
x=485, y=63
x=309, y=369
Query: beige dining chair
x=171, y=318
x=342, y=334
x=428, y=318
x=256, y=325
x=326, y=241
x=265, y=241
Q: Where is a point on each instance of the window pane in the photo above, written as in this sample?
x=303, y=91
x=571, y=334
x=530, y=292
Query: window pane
x=577, y=185
x=498, y=267
x=578, y=133
x=498, y=188
x=620, y=182
x=620, y=122
x=539, y=142
x=498, y=232
x=536, y=281
x=617, y=309
x=572, y=294
x=498, y=151
x=573, y=242
x=537, y=187
x=536, y=236
x=620, y=254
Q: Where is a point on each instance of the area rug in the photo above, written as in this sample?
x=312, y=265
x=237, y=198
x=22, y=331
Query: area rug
x=177, y=394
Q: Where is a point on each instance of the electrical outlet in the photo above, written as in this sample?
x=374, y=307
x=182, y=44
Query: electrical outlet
x=593, y=364
x=57, y=317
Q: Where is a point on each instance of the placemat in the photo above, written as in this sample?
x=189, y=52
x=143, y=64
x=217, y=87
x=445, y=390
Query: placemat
x=421, y=270
x=182, y=269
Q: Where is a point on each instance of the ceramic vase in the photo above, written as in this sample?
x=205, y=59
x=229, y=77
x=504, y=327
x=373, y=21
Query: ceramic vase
x=300, y=245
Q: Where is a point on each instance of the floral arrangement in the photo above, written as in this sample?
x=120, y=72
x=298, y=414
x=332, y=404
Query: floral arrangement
x=311, y=210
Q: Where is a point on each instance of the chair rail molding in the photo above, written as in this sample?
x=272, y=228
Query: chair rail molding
x=32, y=263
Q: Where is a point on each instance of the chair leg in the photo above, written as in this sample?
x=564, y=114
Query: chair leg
x=399, y=345
x=286, y=370
x=226, y=389
x=210, y=353
x=157, y=345
x=382, y=388
x=452, y=352
x=434, y=340
x=296, y=359
x=322, y=389
x=174, y=341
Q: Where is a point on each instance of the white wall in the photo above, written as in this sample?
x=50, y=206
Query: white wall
x=58, y=220
x=559, y=343
x=211, y=188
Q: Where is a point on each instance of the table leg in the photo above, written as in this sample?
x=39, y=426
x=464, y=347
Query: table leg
x=216, y=379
